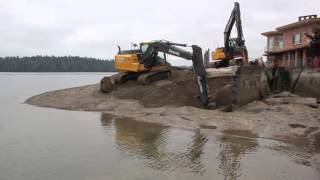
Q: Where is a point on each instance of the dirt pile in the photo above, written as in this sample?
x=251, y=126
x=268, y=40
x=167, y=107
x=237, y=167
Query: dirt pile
x=236, y=85
x=179, y=90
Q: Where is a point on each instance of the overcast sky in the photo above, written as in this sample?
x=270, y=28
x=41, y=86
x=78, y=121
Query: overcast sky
x=95, y=27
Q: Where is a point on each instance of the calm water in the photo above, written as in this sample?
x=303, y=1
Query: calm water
x=42, y=143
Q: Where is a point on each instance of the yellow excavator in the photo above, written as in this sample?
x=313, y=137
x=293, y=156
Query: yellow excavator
x=148, y=63
x=234, y=48
x=136, y=64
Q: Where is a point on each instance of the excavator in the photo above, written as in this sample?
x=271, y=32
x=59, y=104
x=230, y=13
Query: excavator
x=234, y=48
x=148, y=63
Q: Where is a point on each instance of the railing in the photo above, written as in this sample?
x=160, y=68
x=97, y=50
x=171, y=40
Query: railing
x=272, y=49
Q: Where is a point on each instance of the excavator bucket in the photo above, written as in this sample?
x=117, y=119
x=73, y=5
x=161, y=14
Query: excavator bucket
x=200, y=73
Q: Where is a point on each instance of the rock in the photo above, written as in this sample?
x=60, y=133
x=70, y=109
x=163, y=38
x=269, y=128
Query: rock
x=162, y=83
x=311, y=102
x=315, y=162
x=288, y=98
x=284, y=94
x=297, y=126
x=107, y=84
x=204, y=126
x=310, y=130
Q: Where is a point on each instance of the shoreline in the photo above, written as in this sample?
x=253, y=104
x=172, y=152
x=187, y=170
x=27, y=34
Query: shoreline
x=271, y=116
x=283, y=116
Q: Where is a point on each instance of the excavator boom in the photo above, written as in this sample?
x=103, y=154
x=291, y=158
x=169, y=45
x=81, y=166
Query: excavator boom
x=235, y=18
x=233, y=47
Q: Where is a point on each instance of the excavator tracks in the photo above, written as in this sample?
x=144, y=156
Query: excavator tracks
x=107, y=84
x=120, y=78
x=150, y=77
x=123, y=77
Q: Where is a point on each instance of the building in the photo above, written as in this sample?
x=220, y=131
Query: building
x=287, y=45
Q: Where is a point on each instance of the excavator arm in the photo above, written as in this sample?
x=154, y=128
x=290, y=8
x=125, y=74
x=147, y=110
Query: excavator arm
x=233, y=47
x=234, y=18
x=195, y=56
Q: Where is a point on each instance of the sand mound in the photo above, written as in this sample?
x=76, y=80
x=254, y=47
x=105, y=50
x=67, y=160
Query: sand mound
x=179, y=90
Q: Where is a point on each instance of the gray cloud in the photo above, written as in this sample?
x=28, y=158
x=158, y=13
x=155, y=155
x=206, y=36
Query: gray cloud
x=94, y=28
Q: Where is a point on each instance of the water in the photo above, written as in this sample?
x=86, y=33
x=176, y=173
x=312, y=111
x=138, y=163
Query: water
x=43, y=143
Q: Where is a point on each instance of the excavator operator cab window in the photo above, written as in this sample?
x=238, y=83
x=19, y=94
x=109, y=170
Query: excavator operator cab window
x=144, y=47
x=161, y=58
x=234, y=48
x=162, y=55
x=232, y=43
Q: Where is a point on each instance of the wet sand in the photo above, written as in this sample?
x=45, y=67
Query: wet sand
x=278, y=116
x=283, y=114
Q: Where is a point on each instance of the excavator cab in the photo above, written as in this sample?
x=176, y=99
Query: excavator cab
x=235, y=49
x=129, y=60
x=221, y=54
x=158, y=58
x=218, y=54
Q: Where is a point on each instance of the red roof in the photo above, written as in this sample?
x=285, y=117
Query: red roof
x=269, y=33
x=300, y=23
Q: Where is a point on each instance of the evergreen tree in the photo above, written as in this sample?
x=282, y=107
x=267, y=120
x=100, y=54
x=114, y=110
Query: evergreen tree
x=55, y=64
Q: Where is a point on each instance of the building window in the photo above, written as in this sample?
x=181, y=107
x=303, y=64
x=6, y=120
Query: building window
x=270, y=43
x=296, y=39
x=280, y=42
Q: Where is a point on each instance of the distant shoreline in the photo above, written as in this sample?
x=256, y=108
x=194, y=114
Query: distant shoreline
x=55, y=64
x=58, y=72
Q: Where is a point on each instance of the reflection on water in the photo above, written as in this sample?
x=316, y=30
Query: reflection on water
x=235, y=144
x=299, y=149
x=233, y=154
x=150, y=143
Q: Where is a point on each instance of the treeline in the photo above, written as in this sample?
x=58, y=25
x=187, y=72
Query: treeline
x=55, y=64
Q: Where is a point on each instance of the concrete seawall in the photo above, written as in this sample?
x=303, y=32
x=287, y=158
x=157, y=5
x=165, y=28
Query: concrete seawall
x=304, y=82
x=308, y=83
x=237, y=85
x=248, y=85
x=245, y=84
